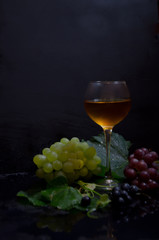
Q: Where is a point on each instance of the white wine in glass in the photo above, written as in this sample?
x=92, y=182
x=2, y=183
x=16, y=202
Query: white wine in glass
x=107, y=103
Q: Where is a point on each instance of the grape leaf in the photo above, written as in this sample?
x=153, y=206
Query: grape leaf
x=33, y=199
x=66, y=198
x=119, y=150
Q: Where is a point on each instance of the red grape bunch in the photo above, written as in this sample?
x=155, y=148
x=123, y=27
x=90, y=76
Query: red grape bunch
x=142, y=169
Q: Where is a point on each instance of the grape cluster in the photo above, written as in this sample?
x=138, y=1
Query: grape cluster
x=141, y=205
x=124, y=194
x=142, y=169
x=72, y=159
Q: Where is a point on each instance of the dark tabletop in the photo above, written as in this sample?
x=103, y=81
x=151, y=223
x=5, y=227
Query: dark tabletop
x=19, y=221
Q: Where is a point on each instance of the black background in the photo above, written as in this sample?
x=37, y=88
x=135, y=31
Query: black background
x=50, y=50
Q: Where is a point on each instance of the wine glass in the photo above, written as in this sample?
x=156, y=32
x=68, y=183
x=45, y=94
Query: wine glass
x=107, y=103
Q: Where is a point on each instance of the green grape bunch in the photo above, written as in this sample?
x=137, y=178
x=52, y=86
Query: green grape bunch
x=73, y=159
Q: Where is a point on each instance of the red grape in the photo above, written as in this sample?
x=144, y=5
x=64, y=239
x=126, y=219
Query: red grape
x=139, y=153
x=155, y=165
x=144, y=176
x=143, y=186
x=133, y=163
x=157, y=177
x=145, y=150
x=142, y=165
x=153, y=173
x=154, y=155
x=149, y=158
x=153, y=185
x=135, y=182
x=142, y=170
x=130, y=157
x=130, y=173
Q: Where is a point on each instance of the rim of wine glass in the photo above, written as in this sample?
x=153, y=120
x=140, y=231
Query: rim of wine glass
x=108, y=82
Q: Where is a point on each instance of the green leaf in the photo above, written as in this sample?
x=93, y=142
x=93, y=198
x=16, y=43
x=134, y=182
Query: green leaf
x=48, y=194
x=33, y=199
x=66, y=197
x=118, y=152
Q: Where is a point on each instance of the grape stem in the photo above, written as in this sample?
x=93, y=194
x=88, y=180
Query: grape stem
x=92, y=191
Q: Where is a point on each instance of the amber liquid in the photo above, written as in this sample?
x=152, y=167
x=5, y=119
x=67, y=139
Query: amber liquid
x=107, y=113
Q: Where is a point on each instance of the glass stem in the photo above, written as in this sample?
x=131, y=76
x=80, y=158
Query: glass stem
x=107, y=134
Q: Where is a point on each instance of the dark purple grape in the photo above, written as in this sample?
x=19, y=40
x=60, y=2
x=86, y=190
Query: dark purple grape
x=144, y=176
x=129, y=198
x=117, y=188
x=121, y=200
x=130, y=173
x=85, y=201
x=125, y=186
x=116, y=194
x=134, y=189
x=124, y=193
x=139, y=154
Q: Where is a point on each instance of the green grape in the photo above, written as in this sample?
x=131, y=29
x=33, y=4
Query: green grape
x=64, y=140
x=69, y=158
x=83, y=172
x=90, y=152
x=63, y=156
x=70, y=147
x=57, y=147
x=75, y=140
x=91, y=164
x=40, y=173
x=57, y=165
x=83, y=145
x=97, y=159
x=84, y=160
x=80, y=154
x=39, y=160
x=97, y=170
x=78, y=164
x=52, y=156
x=59, y=174
x=72, y=155
x=46, y=151
x=47, y=167
x=67, y=167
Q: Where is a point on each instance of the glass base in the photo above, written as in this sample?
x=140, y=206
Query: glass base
x=108, y=183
